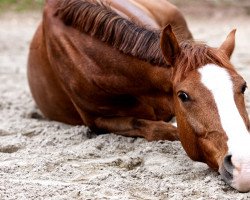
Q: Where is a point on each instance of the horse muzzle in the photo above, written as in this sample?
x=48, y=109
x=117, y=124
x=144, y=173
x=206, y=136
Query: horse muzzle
x=235, y=170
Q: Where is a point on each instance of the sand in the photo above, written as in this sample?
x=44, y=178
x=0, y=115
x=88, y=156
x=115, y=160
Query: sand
x=42, y=159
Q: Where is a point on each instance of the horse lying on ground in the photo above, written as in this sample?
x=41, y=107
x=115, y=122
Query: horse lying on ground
x=90, y=65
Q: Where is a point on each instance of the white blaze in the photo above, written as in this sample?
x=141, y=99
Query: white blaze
x=219, y=82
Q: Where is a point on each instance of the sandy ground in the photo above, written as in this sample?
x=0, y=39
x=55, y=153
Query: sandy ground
x=42, y=159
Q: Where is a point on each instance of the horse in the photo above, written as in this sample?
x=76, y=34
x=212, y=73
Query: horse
x=93, y=64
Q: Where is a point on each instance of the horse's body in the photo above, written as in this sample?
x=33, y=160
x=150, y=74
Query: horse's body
x=88, y=65
x=118, y=88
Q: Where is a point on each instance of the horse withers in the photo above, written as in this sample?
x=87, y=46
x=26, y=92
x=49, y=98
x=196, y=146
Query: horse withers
x=90, y=64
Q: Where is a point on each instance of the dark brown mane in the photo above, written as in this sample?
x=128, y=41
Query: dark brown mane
x=99, y=20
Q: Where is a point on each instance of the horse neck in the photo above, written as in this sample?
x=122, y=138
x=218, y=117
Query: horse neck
x=145, y=76
x=95, y=60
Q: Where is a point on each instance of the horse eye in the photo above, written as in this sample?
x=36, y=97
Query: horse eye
x=183, y=96
x=243, y=88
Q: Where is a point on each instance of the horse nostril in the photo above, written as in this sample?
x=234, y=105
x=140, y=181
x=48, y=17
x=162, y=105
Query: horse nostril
x=228, y=162
x=228, y=166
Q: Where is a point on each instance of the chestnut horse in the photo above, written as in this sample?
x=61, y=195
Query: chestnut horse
x=91, y=64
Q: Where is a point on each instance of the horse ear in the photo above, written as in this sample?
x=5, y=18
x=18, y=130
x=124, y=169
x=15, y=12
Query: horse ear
x=228, y=45
x=169, y=45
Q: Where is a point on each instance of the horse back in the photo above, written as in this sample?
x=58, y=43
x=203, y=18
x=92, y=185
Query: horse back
x=153, y=14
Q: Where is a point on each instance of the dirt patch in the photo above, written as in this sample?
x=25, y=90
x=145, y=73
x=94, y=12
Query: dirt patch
x=42, y=159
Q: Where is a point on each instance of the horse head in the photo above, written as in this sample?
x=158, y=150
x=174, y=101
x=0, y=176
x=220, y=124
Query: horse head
x=212, y=120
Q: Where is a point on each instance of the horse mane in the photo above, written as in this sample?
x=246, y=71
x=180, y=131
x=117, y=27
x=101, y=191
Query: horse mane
x=99, y=20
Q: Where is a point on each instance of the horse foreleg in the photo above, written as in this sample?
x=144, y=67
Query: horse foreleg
x=132, y=127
